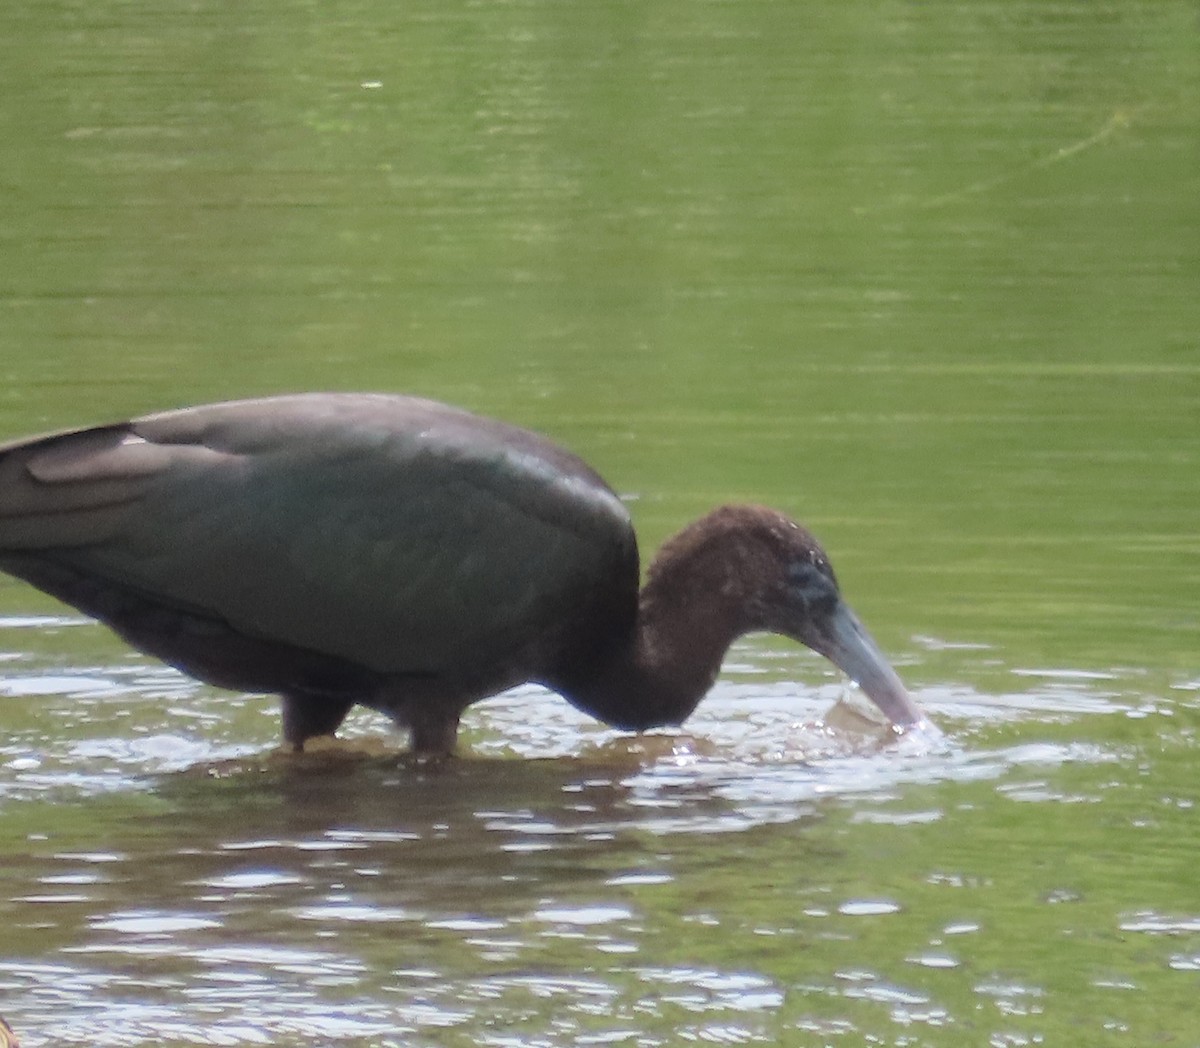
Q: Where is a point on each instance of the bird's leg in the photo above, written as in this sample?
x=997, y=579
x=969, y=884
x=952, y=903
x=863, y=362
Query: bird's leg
x=426, y=707
x=306, y=715
x=434, y=736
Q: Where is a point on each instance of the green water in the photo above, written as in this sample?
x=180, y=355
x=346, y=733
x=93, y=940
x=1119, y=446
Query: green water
x=926, y=276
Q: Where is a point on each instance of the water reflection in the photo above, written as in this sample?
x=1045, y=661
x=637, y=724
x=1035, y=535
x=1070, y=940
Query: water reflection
x=759, y=750
x=925, y=274
x=560, y=884
x=753, y=751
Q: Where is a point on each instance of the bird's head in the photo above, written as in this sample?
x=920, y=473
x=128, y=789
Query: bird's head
x=789, y=587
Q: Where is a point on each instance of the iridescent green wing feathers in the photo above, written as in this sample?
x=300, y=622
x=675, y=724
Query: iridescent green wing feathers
x=390, y=531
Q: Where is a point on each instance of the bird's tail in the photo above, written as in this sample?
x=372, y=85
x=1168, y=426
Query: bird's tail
x=69, y=489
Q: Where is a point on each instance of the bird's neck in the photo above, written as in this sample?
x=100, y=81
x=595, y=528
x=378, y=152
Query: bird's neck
x=689, y=612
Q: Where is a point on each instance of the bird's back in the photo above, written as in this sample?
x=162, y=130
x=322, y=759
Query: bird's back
x=394, y=534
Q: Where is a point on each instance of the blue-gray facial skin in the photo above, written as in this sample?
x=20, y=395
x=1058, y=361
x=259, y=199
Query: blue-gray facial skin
x=826, y=624
x=813, y=586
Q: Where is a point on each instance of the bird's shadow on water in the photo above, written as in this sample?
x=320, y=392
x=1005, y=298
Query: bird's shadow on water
x=440, y=834
x=347, y=789
x=661, y=783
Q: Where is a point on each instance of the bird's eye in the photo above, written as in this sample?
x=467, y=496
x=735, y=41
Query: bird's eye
x=809, y=586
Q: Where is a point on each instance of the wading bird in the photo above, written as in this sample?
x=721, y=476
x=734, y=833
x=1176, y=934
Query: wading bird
x=409, y=556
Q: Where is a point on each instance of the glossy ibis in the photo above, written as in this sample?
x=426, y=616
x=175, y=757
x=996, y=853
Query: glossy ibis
x=409, y=556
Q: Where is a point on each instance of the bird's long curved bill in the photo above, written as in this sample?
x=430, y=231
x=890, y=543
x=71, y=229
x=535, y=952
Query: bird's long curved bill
x=847, y=644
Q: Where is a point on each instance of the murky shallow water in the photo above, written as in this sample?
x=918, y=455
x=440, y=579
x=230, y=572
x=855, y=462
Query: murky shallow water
x=923, y=275
x=761, y=878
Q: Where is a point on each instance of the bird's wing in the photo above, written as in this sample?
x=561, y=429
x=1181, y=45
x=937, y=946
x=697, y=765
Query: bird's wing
x=394, y=532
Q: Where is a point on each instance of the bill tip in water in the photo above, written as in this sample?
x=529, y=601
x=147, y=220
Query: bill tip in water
x=922, y=731
x=854, y=715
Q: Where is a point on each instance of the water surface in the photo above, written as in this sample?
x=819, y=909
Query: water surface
x=924, y=276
